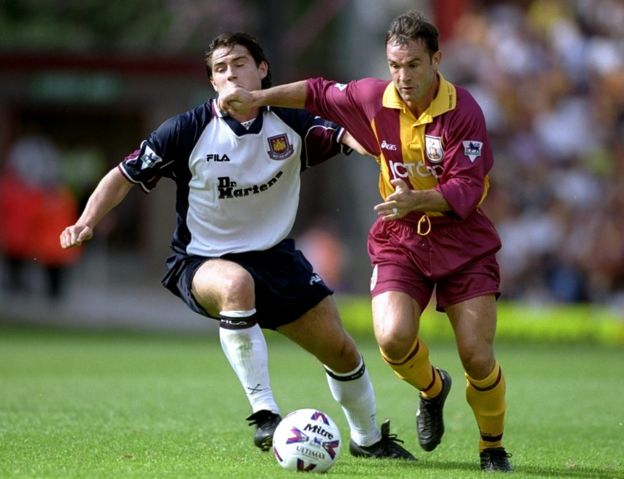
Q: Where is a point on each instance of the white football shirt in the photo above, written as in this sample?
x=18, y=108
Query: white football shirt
x=237, y=188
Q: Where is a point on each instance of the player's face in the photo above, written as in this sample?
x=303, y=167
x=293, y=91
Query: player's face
x=414, y=73
x=235, y=66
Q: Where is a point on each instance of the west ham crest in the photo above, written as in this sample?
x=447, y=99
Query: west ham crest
x=433, y=148
x=279, y=147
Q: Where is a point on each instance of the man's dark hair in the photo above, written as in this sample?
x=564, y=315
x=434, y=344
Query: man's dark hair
x=413, y=26
x=230, y=40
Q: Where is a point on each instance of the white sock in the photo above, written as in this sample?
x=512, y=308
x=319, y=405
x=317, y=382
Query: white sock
x=244, y=346
x=354, y=391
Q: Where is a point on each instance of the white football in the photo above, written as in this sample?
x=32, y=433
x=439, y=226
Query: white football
x=307, y=440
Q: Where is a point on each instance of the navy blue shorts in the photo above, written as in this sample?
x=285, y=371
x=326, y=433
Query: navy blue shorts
x=286, y=285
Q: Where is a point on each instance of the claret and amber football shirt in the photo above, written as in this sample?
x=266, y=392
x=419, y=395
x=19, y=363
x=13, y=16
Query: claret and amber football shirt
x=446, y=148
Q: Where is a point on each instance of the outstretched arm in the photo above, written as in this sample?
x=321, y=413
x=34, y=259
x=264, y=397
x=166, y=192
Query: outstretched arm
x=289, y=95
x=347, y=139
x=109, y=192
x=239, y=100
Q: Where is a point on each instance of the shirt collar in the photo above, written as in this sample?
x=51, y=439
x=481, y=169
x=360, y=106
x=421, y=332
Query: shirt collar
x=221, y=114
x=237, y=127
x=445, y=100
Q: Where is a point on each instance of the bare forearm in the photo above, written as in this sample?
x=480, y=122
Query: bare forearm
x=429, y=200
x=236, y=100
x=289, y=95
x=109, y=192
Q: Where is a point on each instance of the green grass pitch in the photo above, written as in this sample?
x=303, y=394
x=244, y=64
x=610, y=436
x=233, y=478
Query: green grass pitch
x=103, y=405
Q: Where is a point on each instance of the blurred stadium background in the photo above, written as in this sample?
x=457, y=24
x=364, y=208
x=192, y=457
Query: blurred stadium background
x=83, y=82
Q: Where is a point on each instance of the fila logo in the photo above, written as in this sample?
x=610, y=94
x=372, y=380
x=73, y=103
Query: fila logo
x=216, y=157
x=388, y=146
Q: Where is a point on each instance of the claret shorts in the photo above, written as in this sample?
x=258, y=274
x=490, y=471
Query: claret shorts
x=457, y=258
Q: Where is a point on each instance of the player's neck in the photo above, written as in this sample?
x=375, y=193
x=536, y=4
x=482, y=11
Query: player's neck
x=243, y=117
x=417, y=108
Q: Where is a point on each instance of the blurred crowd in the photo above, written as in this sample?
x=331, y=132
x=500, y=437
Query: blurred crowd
x=35, y=204
x=549, y=75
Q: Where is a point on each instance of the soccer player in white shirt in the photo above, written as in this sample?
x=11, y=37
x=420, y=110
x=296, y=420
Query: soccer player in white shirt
x=238, y=182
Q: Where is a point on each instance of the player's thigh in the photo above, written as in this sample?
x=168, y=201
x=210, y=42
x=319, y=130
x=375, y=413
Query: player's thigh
x=320, y=332
x=474, y=324
x=220, y=284
x=396, y=318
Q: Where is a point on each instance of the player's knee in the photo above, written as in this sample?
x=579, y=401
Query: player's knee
x=394, y=346
x=477, y=362
x=237, y=287
x=232, y=289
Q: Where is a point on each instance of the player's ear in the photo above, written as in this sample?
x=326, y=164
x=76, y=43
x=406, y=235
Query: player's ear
x=210, y=77
x=435, y=59
x=263, y=68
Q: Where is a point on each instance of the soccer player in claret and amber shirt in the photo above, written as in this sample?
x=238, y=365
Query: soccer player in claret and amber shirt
x=430, y=141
